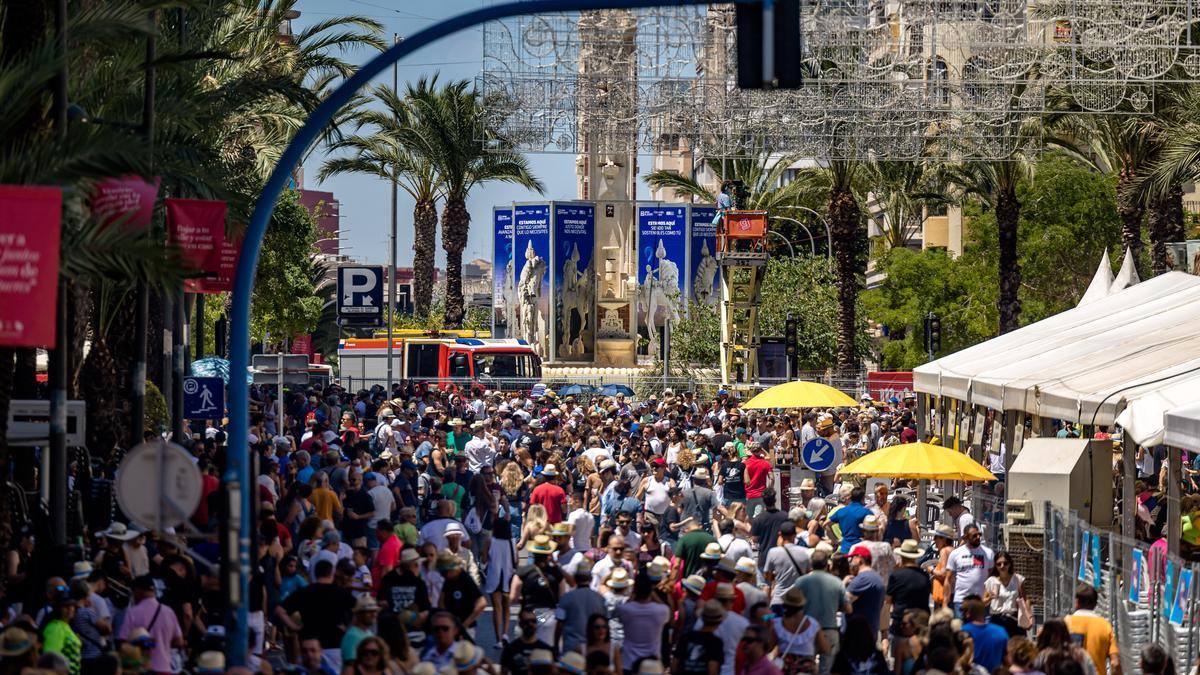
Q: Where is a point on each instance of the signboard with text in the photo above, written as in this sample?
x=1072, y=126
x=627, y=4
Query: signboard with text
x=531, y=253
x=885, y=385
x=197, y=228
x=30, y=229
x=127, y=201
x=503, y=274
x=573, y=289
x=704, y=274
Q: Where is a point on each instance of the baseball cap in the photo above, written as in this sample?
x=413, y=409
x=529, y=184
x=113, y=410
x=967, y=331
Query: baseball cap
x=861, y=551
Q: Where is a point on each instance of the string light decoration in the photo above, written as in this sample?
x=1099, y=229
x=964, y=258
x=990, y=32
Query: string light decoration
x=895, y=79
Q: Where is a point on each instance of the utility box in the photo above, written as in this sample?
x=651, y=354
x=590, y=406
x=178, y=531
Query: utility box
x=1071, y=473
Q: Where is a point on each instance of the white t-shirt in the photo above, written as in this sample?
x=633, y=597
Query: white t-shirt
x=971, y=567
x=597, y=455
x=384, y=501
x=734, y=547
x=479, y=452
x=582, y=523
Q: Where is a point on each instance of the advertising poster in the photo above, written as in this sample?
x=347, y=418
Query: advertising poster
x=503, y=274
x=1138, y=580
x=30, y=231
x=128, y=200
x=704, y=280
x=662, y=259
x=1096, y=575
x=1084, y=554
x=1183, y=594
x=531, y=249
x=1168, y=589
x=223, y=259
x=197, y=227
x=574, y=281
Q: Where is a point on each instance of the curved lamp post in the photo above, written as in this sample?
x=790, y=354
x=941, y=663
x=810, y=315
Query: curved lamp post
x=237, y=480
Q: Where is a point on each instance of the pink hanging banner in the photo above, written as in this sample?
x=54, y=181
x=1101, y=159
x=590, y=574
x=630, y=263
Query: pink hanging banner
x=30, y=231
x=225, y=259
x=197, y=227
x=128, y=200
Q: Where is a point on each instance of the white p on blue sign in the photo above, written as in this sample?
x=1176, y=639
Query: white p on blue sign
x=360, y=294
x=818, y=454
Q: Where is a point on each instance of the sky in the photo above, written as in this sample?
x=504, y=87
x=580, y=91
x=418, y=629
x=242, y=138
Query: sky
x=365, y=201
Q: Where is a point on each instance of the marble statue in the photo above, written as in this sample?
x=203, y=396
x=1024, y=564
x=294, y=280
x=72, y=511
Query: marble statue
x=575, y=298
x=661, y=289
x=509, y=295
x=706, y=275
x=529, y=295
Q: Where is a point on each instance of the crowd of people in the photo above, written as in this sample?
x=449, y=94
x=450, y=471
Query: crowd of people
x=416, y=531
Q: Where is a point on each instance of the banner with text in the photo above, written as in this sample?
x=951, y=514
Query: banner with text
x=30, y=232
x=224, y=259
x=704, y=274
x=531, y=251
x=573, y=281
x=127, y=201
x=883, y=386
x=197, y=228
x=503, y=274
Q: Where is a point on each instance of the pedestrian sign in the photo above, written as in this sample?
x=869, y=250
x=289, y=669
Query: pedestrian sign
x=818, y=454
x=203, y=398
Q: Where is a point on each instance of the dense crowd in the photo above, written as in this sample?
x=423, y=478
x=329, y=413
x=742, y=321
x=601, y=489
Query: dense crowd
x=597, y=534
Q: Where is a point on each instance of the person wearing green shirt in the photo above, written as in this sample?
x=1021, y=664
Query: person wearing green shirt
x=740, y=443
x=456, y=438
x=454, y=492
x=366, y=612
x=57, y=636
x=406, y=529
x=691, y=546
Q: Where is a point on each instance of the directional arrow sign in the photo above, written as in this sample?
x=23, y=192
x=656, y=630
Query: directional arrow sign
x=818, y=454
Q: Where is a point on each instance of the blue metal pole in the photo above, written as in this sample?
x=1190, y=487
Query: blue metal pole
x=237, y=478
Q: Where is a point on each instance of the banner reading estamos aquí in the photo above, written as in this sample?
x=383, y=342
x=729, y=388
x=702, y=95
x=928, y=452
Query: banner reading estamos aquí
x=531, y=254
x=30, y=233
x=573, y=286
x=197, y=228
x=662, y=261
x=503, y=274
x=704, y=274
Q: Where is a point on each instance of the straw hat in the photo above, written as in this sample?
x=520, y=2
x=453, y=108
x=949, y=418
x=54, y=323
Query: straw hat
x=870, y=523
x=701, y=474
x=457, y=422
x=795, y=598
x=909, y=549
x=14, y=642
x=651, y=667
x=120, y=532
x=466, y=655
x=541, y=545
x=573, y=663
x=945, y=531
x=550, y=470
x=210, y=662
x=424, y=668
x=694, y=583
x=366, y=604
x=808, y=484
x=712, y=552
x=727, y=564
x=409, y=555
x=619, y=578
x=561, y=529
x=746, y=565
x=541, y=657
x=712, y=612
x=446, y=560
x=724, y=592
x=81, y=569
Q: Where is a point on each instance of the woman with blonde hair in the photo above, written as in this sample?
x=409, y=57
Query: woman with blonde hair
x=536, y=522
x=741, y=519
x=685, y=461
x=371, y=657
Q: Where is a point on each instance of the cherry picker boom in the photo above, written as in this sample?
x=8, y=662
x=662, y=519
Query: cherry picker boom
x=742, y=256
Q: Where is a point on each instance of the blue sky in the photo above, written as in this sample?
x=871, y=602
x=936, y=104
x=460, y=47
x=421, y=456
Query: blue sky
x=365, y=205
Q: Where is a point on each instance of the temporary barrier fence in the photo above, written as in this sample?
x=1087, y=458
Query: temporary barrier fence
x=1149, y=596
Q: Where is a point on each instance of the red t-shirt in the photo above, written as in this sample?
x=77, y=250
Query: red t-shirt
x=757, y=472
x=209, y=485
x=739, y=598
x=387, y=557
x=552, y=498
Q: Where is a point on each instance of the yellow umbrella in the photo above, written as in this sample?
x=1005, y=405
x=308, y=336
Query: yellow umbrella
x=919, y=460
x=800, y=395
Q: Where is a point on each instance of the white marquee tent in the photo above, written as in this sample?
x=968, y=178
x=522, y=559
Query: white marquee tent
x=1127, y=357
x=1183, y=427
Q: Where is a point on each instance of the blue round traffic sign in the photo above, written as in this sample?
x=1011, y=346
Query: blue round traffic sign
x=818, y=454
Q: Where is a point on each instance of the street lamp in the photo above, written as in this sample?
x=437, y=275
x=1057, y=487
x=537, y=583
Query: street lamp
x=792, y=251
x=828, y=232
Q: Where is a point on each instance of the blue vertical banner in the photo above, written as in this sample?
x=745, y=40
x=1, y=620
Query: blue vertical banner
x=1168, y=596
x=1183, y=595
x=1096, y=575
x=504, y=277
x=662, y=265
x=1084, y=553
x=1137, y=583
x=704, y=275
x=531, y=253
x=573, y=281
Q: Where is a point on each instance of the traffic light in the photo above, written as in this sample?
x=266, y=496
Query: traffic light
x=933, y=334
x=790, y=330
x=769, y=45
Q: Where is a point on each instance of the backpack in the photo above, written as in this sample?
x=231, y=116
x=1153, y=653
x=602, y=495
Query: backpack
x=373, y=444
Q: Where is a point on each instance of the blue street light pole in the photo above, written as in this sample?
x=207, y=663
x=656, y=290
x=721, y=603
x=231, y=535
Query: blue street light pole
x=237, y=479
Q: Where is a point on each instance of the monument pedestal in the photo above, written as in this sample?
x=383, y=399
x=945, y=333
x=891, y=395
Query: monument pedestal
x=616, y=352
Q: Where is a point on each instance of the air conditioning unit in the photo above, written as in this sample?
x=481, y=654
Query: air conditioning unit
x=1018, y=512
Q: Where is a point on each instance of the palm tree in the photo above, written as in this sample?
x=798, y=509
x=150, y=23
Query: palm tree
x=383, y=153
x=995, y=184
x=902, y=191
x=454, y=135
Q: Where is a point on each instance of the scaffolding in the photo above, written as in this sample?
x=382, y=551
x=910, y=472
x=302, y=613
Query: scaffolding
x=742, y=256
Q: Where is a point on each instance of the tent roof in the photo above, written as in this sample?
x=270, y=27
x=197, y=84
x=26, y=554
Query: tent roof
x=1109, y=352
x=1048, y=456
x=1183, y=426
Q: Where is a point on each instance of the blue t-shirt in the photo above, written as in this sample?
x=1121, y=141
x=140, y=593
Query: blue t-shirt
x=991, y=641
x=849, y=517
x=867, y=589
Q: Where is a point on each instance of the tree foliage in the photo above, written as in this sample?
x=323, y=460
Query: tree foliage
x=285, y=304
x=803, y=286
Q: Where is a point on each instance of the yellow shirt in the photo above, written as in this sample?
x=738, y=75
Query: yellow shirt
x=325, y=501
x=1097, y=634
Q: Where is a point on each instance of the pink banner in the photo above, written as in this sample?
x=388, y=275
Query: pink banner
x=30, y=230
x=127, y=200
x=884, y=385
x=302, y=345
x=224, y=258
x=197, y=227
